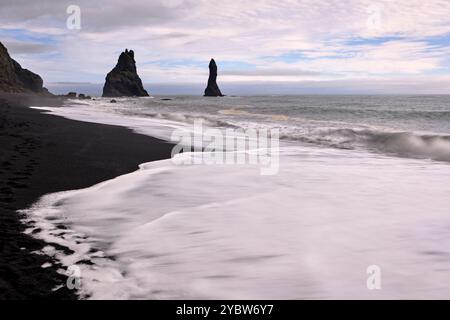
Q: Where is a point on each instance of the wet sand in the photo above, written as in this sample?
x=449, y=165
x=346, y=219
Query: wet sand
x=41, y=154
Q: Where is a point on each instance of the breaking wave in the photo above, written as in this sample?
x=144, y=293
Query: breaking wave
x=299, y=128
x=404, y=144
x=397, y=143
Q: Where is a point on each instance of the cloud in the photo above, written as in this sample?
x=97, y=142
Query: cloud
x=97, y=16
x=270, y=72
x=283, y=40
x=26, y=48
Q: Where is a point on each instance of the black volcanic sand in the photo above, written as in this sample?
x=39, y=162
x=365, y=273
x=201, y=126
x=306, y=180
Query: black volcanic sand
x=40, y=154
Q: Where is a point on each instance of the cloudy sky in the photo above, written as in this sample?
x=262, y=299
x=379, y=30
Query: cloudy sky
x=285, y=46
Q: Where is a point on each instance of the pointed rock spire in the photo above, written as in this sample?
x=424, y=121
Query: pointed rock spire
x=212, y=90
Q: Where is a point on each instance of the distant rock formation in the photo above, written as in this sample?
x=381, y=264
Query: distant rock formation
x=73, y=95
x=212, y=90
x=82, y=96
x=15, y=79
x=123, y=80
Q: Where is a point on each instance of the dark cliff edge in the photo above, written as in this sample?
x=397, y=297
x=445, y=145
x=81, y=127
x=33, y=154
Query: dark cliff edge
x=15, y=79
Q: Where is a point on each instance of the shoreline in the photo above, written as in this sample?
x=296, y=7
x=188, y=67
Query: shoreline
x=42, y=154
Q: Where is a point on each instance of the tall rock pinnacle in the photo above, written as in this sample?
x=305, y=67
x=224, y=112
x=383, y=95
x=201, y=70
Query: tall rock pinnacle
x=123, y=80
x=212, y=90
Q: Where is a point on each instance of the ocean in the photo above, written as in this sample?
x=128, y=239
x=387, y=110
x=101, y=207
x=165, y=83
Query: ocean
x=361, y=185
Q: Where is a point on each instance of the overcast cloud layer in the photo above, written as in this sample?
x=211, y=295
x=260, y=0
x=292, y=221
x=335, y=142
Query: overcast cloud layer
x=275, y=43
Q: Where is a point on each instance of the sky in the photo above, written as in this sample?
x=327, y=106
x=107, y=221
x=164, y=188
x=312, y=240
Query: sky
x=266, y=46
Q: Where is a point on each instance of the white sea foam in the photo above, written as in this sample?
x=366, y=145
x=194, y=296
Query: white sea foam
x=95, y=113
x=227, y=232
x=196, y=231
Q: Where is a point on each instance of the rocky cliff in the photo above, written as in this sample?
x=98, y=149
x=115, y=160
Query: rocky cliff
x=123, y=80
x=15, y=79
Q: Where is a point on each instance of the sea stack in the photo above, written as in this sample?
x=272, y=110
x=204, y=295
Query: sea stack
x=15, y=79
x=123, y=80
x=212, y=90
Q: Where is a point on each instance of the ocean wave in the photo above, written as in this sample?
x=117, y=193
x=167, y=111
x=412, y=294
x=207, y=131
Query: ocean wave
x=404, y=144
x=378, y=139
x=191, y=118
x=335, y=134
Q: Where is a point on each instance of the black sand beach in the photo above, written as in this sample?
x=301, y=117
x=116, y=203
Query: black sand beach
x=41, y=154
